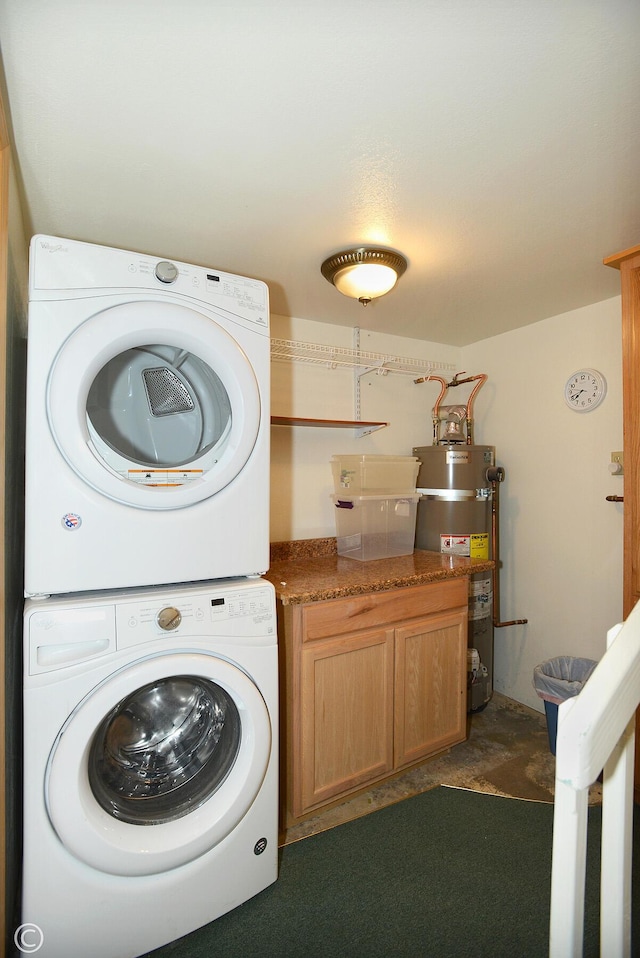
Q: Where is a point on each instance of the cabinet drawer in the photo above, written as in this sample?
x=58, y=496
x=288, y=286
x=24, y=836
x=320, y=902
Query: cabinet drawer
x=339, y=616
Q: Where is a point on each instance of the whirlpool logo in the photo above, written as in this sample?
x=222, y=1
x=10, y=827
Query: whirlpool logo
x=54, y=247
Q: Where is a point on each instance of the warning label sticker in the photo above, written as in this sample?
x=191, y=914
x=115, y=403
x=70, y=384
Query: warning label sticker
x=475, y=545
x=163, y=477
x=480, y=599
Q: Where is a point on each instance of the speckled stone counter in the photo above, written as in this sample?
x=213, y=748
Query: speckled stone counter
x=310, y=570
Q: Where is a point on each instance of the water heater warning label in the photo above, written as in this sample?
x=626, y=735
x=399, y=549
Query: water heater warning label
x=476, y=546
x=480, y=599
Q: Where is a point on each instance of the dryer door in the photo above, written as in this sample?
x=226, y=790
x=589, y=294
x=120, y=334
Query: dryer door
x=154, y=405
x=158, y=764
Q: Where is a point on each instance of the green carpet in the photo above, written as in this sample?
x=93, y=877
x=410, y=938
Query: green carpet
x=447, y=874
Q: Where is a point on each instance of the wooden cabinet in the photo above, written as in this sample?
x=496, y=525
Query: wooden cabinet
x=370, y=684
x=628, y=262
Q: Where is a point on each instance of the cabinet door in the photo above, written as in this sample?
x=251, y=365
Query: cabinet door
x=347, y=716
x=430, y=686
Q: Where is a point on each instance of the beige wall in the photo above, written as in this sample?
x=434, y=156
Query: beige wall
x=301, y=479
x=561, y=542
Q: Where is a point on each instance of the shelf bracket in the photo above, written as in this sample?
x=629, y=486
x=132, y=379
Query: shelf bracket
x=356, y=378
x=361, y=431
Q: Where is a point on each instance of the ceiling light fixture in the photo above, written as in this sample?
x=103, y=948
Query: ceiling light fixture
x=364, y=273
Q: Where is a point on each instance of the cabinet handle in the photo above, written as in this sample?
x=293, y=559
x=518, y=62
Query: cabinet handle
x=615, y=498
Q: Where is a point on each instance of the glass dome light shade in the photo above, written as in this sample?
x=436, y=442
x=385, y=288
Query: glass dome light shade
x=365, y=281
x=364, y=273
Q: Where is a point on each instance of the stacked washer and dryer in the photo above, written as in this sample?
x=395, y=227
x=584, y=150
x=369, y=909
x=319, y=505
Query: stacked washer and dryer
x=150, y=646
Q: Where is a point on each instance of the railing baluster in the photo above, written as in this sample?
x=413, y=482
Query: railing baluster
x=596, y=729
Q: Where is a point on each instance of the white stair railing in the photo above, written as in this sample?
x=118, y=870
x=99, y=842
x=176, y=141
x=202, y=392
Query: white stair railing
x=596, y=731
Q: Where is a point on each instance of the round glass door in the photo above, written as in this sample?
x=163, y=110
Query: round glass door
x=158, y=764
x=154, y=405
x=158, y=407
x=164, y=750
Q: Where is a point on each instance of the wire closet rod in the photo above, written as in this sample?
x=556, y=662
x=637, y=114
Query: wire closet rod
x=341, y=356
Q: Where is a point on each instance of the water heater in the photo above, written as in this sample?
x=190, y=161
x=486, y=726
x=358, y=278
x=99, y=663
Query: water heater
x=455, y=483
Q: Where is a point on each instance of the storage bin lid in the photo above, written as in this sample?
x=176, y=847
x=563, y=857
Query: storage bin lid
x=370, y=457
x=396, y=497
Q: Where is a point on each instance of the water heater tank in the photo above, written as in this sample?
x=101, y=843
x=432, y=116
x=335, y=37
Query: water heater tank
x=455, y=517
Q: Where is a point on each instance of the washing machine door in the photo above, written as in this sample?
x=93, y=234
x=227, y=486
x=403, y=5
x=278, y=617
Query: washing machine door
x=158, y=764
x=153, y=404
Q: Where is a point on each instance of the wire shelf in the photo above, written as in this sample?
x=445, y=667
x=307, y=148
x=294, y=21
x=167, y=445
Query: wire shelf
x=287, y=350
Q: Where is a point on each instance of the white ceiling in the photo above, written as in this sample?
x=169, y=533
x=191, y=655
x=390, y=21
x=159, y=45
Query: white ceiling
x=494, y=143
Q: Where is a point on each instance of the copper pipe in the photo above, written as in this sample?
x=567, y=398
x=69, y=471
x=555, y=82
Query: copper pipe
x=497, y=624
x=437, y=379
x=443, y=388
x=469, y=379
x=436, y=408
x=481, y=379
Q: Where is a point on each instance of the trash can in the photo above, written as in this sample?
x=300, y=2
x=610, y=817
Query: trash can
x=557, y=680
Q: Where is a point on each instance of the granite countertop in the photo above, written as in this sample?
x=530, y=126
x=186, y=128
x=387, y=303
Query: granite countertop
x=310, y=570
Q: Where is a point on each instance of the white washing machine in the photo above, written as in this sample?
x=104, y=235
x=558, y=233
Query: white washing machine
x=150, y=764
x=147, y=447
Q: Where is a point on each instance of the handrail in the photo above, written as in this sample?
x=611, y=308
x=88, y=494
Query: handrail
x=596, y=730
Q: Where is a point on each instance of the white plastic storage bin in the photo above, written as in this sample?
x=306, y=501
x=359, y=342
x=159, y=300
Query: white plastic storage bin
x=374, y=475
x=375, y=527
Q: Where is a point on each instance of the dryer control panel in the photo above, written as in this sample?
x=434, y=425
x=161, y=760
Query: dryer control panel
x=61, y=268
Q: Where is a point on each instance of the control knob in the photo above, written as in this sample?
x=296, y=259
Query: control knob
x=166, y=272
x=169, y=618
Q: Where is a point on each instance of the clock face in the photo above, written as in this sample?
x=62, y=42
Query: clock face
x=585, y=390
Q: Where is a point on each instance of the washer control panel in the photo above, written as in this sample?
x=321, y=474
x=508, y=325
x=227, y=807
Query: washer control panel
x=233, y=613
x=61, y=633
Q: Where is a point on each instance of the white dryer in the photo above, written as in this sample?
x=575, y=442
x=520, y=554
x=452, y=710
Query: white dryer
x=150, y=764
x=147, y=446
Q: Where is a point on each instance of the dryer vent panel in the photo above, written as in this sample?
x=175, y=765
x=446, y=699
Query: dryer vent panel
x=166, y=392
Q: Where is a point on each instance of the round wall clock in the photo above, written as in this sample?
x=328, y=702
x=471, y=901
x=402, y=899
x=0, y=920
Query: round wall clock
x=585, y=390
